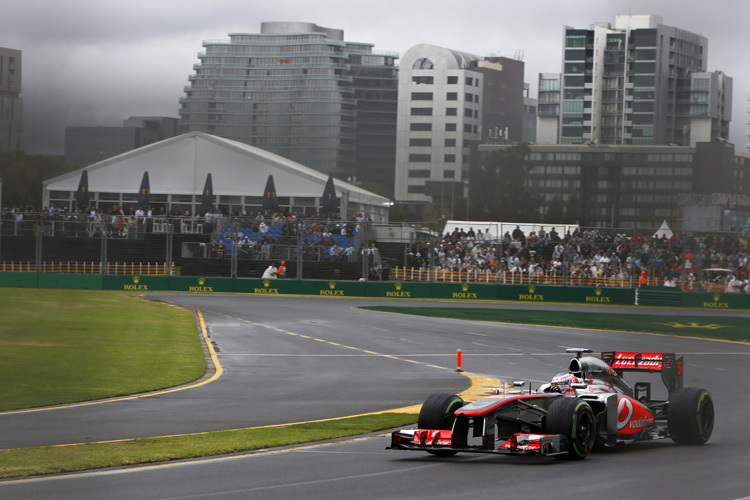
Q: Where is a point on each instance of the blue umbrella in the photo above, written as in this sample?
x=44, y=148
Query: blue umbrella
x=329, y=203
x=207, y=198
x=144, y=193
x=82, y=194
x=270, y=201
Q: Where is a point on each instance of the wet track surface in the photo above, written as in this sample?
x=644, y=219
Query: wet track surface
x=289, y=359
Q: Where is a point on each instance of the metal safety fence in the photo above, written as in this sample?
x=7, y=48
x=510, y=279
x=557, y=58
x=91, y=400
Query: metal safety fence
x=242, y=247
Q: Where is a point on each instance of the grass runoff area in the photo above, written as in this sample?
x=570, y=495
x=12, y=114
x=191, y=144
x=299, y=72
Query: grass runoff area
x=64, y=346
x=733, y=328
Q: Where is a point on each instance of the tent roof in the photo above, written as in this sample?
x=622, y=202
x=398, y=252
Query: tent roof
x=179, y=165
x=663, y=231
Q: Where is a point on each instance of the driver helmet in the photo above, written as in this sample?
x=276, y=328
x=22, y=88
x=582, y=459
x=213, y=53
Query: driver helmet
x=563, y=380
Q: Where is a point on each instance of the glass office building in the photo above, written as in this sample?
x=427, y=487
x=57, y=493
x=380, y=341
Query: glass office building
x=636, y=82
x=300, y=91
x=11, y=104
x=632, y=186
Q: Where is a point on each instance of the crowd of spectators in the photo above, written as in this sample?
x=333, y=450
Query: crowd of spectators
x=596, y=256
x=117, y=221
x=593, y=256
x=320, y=238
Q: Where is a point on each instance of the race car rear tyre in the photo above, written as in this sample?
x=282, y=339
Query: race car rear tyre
x=575, y=420
x=690, y=417
x=437, y=413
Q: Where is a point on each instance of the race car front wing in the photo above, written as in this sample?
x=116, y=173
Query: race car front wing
x=437, y=441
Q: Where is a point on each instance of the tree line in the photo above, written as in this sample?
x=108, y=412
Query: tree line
x=22, y=177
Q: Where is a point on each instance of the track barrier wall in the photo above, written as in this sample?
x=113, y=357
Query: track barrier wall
x=375, y=289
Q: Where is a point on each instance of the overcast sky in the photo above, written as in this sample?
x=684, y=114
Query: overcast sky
x=89, y=62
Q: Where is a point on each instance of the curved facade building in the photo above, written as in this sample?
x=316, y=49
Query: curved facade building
x=447, y=101
x=301, y=91
x=439, y=113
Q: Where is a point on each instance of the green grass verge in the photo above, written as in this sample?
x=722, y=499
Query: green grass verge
x=61, y=346
x=711, y=327
x=21, y=462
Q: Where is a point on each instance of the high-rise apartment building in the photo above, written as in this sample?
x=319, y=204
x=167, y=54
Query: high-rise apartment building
x=11, y=104
x=300, y=91
x=635, y=81
x=447, y=101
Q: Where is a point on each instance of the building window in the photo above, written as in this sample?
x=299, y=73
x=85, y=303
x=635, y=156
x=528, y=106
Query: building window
x=420, y=158
x=452, y=80
x=450, y=143
x=644, y=81
x=422, y=80
x=469, y=81
x=451, y=96
x=575, y=40
x=420, y=127
x=574, y=81
x=449, y=158
x=572, y=106
x=450, y=127
x=575, y=68
x=451, y=111
x=419, y=174
x=420, y=142
x=421, y=96
x=415, y=189
x=422, y=63
x=421, y=111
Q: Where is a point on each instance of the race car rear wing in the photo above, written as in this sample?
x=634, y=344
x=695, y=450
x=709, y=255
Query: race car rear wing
x=667, y=363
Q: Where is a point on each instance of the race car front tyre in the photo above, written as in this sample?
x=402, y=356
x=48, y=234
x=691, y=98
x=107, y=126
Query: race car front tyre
x=574, y=419
x=437, y=413
x=690, y=417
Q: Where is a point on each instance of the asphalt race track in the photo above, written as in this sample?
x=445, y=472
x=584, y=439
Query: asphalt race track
x=289, y=359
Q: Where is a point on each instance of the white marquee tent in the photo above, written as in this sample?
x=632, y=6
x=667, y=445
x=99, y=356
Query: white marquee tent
x=178, y=168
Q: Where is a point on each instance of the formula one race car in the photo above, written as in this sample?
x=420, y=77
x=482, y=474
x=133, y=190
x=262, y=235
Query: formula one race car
x=590, y=405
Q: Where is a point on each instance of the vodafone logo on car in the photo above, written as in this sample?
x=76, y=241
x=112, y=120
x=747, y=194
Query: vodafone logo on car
x=632, y=417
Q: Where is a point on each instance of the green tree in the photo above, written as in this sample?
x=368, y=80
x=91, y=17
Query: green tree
x=573, y=209
x=498, y=188
x=22, y=177
x=556, y=211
